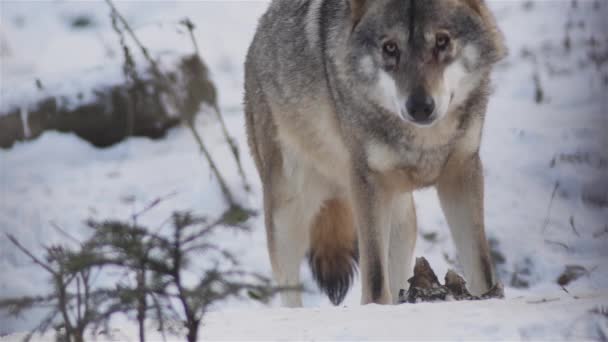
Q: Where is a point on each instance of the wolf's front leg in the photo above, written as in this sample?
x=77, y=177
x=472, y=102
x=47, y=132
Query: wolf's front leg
x=460, y=190
x=373, y=215
x=402, y=243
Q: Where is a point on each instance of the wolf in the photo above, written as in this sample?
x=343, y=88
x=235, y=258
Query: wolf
x=351, y=105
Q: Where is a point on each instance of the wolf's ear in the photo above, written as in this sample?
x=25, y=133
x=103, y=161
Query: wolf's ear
x=357, y=9
x=498, y=41
x=476, y=5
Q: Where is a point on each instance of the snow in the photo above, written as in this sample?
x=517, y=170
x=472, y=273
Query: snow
x=489, y=320
x=71, y=63
x=527, y=149
x=557, y=318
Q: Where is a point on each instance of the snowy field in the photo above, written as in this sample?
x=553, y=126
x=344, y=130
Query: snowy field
x=546, y=166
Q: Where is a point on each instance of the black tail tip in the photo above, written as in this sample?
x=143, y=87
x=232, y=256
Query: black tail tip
x=334, y=276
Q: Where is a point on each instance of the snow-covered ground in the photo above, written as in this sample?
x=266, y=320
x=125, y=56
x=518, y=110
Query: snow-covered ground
x=556, y=318
x=528, y=148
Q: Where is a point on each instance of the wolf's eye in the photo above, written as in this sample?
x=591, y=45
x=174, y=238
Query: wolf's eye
x=442, y=41
x=390, y=49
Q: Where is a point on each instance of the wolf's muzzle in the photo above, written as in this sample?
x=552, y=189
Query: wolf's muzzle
x=420, y=107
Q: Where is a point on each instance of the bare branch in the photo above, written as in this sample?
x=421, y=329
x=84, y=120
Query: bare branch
x=176, y=102
x=546, y=223
x=573, y=226
x=42, y=264
x=64, y=232
x=153, y=204
x=543, y=301
x=233, y=146
x=557, y=243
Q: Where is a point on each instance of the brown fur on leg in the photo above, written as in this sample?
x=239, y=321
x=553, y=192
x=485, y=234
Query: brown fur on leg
x=333, y=250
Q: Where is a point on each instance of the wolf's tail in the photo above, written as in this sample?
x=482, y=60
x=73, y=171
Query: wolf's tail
x=333, y=251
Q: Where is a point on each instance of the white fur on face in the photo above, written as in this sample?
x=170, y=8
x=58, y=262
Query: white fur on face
x=457, y=82
x=386, y=95
x=366, y=66
x=384, y=91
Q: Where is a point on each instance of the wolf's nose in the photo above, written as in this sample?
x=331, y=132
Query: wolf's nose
x=420, y=106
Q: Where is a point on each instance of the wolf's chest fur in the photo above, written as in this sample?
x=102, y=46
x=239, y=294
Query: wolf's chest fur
x=417, y=157
x=415, y=161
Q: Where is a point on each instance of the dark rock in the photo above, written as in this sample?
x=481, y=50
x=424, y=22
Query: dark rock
x=81, y=22
x=431, y=236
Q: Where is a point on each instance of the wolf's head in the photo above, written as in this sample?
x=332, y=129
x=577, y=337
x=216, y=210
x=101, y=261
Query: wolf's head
x=421, y=59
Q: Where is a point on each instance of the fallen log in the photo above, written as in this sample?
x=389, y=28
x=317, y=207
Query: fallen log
x=115, y=112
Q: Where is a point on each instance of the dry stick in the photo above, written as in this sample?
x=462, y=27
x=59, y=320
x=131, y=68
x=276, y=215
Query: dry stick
x=176, y=102
x=233, y=147
x=561, y=244
x=574, y=226
x=64, y=232
x=87, y=293
x=141, y=272
x=29, y=254
x=153, y=204
x=550, y=206
x=59, y=284
x=78, y=301
x=130, y=77
x=212, y=165
x=542, y=301
x=63, y=306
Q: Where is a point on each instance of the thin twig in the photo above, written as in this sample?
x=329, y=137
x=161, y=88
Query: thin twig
x=233, y=147
x=64, y=232
x=542, y=301
x=78, y=301
x=87, y=291
x=550, y=206
x=131, y=78
x=153, y=204
x=561, y=244
x=32, y=256
x=574, y=226
x=212, y=165
x=158, y=73
x=131, y=33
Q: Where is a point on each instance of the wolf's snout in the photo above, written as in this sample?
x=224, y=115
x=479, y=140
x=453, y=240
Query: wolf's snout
x=420, y=106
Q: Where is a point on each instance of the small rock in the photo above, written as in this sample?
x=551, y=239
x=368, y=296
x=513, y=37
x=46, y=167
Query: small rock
x=456, y=284
x=571, y=273
x=424, y=276
x=425, y=287
x=431, y=236
x=497, y=291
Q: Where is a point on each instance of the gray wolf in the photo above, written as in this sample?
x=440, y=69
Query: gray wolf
x=351, y=105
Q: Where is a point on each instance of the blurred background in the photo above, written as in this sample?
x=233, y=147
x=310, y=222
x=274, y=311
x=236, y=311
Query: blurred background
x=87, y=131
